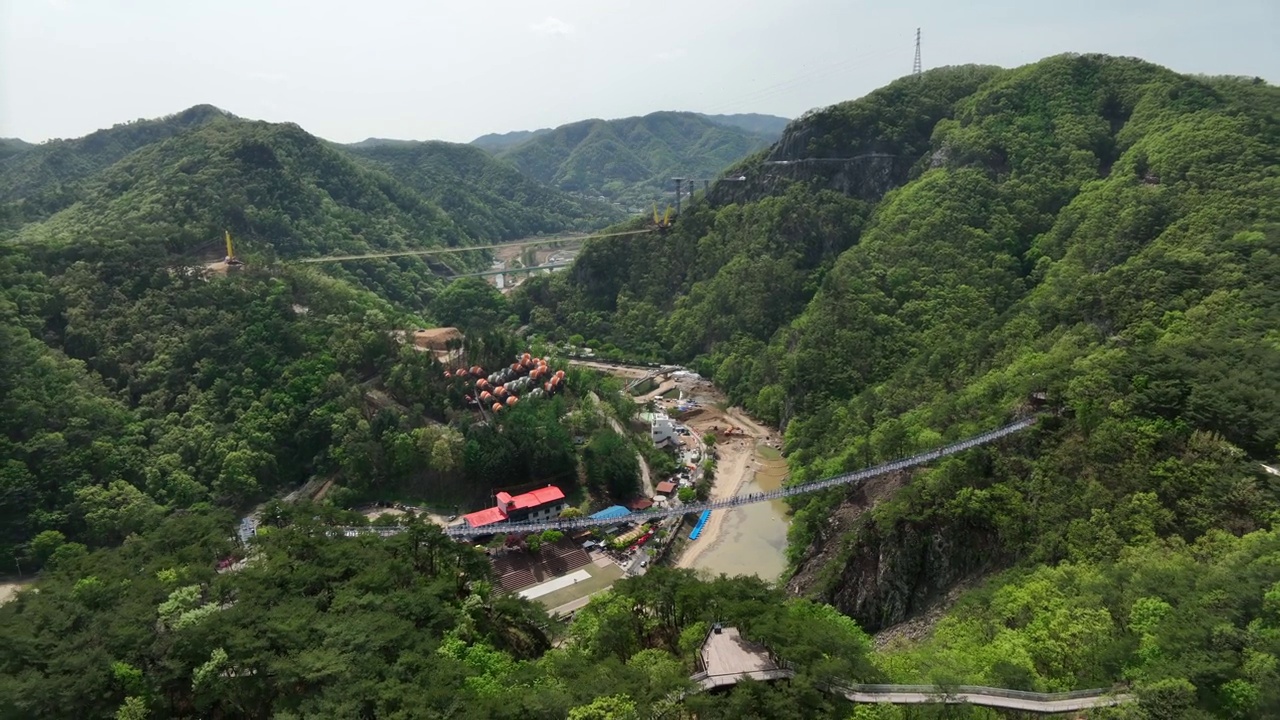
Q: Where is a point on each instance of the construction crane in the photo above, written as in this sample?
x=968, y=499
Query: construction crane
x=231, y=259
x=662, y=222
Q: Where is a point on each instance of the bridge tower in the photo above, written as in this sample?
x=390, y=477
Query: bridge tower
x=916, y=67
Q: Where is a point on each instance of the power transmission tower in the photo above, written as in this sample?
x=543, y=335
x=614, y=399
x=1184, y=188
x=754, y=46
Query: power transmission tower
x=915, y=66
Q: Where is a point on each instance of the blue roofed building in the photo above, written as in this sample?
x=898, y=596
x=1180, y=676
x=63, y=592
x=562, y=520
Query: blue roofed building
x=611, y=513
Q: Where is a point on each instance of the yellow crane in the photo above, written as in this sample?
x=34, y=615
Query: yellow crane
x=662, y=222
x=231, y=258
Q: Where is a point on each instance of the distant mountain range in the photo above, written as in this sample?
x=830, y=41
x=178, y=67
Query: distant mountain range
x=487, y=197
x=184, y=177
x=578, y=176
x=768, y=125
x=630, y=161
x=496, y=142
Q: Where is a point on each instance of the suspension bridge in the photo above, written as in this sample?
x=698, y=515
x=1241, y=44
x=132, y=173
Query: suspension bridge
x=466, y=531
x=469, y=248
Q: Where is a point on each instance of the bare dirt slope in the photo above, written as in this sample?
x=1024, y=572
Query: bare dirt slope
x=9, y=589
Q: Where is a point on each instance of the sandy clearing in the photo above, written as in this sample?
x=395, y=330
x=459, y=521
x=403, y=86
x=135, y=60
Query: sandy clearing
x=9, y=590
x=620, y=371
x=733, y=471
x=653, y=394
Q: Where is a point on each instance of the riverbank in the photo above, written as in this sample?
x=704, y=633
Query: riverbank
x=751, y=539
x=733, y=471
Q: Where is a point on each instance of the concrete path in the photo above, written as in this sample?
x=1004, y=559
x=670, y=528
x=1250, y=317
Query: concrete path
x=554, y=584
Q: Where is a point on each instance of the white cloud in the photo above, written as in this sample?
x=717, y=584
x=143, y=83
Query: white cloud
x=59, y=5
x=669, y=55
x=552, y=26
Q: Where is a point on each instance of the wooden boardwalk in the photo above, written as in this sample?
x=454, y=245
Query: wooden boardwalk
x=727, y=658
x=1040, y=703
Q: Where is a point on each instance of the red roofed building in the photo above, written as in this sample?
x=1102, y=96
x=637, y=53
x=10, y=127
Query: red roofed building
x=541, y=504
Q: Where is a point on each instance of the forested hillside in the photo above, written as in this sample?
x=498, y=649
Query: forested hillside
x=895, y=271
x=38, y=180
x=1097, y=229
x=770, y=126
x=282, y=193
x=488, y=198
x=495, y=142
x=402, y=627
x=13, y=146
x=631, y=161
x=136, y=383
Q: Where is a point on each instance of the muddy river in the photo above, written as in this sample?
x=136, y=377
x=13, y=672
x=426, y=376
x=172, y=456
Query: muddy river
x=753, y=538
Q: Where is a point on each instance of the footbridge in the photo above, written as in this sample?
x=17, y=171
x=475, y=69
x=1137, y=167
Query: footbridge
x=1031, y=702
x=726, y=659
x=464, y=531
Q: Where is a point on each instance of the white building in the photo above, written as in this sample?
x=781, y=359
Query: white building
x=662, y=430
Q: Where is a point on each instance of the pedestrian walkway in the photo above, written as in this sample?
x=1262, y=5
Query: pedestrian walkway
x=727, y=658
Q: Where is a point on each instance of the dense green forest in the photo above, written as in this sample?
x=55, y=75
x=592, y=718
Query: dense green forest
x=129, y=391
x=408, y=626
x=136, y=383
x=48, y=176
x=1098, y=229
x=770, y=126
x=496, y=142
x=487, y=197
x=630, y=161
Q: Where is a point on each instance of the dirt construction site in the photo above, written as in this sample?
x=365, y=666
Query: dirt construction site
x=746, y=451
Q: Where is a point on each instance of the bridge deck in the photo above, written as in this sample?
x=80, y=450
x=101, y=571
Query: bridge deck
x=727, y=654
x=994, y=699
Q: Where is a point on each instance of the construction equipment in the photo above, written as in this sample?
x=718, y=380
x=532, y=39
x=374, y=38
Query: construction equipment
x=231, y=259
x=662, y=222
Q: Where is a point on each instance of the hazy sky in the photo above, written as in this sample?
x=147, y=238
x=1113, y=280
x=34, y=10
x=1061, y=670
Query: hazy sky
x=426, y=69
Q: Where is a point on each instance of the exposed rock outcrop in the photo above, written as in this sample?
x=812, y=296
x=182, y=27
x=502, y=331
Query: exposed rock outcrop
x=884, y=576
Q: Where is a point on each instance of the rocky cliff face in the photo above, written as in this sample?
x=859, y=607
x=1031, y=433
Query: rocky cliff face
x=884, y=576
x=867, y=176
x=863, y=148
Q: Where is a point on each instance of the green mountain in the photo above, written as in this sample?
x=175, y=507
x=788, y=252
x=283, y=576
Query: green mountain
x=45, y=178
x=282, y=193
x=377, y=142
x=911, y=266
x=134, y=380
x=489, y=198
x=13, y=146
x=497, y=142
x=770, y=126
x=630, y=162
x=1096, y=237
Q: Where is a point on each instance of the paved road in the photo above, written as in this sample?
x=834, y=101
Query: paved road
x=646, y=482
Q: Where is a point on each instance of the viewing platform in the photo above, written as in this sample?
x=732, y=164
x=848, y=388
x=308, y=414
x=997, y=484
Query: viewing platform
x=727, y=658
